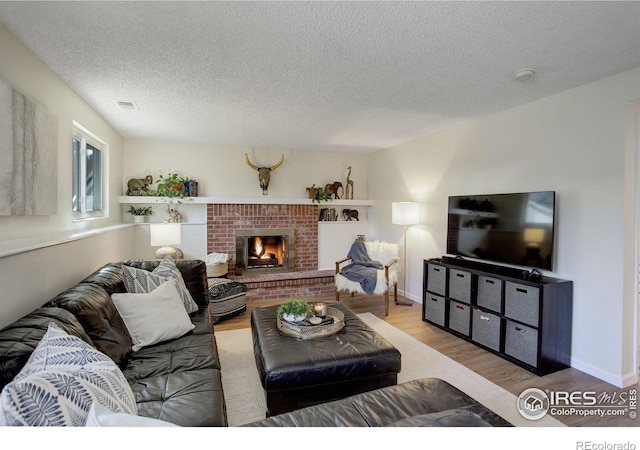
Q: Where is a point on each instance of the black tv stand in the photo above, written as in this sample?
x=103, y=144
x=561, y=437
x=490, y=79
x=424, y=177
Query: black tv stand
x=523, y=319
x=511, y=272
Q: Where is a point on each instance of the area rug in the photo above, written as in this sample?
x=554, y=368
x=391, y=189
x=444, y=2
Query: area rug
x=245, y=400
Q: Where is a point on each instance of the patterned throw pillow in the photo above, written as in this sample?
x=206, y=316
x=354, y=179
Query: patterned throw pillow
x=62, y=379
x=140, y=281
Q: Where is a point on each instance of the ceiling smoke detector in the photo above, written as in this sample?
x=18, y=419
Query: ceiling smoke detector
x=126, y=104
x=523, y=74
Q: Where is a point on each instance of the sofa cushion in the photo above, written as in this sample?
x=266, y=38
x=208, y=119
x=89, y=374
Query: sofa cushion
x=20, y=338
x=96, y=312
x=194, y=273
x=154, y=317
x=190, y=352
x=140, y=281
x=59, y=383
x=448, y=418
x=179, y=381
x=192, y=398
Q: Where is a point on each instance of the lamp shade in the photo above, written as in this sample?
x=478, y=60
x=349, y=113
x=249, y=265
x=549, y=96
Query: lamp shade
x=534, y=235
x=165, y=234
x=405, y=213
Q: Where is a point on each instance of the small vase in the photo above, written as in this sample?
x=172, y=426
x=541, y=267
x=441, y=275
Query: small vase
x=138, y=219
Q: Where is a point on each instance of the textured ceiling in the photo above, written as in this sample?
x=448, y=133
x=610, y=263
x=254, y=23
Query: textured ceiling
x=328, y=76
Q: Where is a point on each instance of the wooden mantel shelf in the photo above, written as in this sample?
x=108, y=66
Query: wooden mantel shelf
x=266, y=200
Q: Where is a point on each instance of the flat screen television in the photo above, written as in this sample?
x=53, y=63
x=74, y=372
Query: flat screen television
x=515, y=229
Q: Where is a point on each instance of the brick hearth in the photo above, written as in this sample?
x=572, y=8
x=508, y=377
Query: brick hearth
x=287, y=285
x=306, y=281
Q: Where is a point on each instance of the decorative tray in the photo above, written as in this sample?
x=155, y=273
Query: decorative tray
x=306, y=330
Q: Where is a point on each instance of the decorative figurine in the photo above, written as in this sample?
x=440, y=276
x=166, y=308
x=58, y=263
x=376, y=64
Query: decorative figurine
x=350, y=214
x=174, y=216
x=139, y=186
x=264, y=173
x=349, y=190
x=334, y=188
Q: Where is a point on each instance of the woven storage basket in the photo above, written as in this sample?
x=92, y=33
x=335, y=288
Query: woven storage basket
x=217, y=270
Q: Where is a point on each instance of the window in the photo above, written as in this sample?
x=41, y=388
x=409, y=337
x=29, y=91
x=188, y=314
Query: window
x=539, y=208
x=89, y=169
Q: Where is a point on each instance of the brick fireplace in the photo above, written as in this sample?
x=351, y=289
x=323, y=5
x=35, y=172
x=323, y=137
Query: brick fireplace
x=225, y=220
x=265, y=250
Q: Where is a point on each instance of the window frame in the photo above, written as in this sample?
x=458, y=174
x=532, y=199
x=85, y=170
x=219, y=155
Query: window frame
x=86, y=137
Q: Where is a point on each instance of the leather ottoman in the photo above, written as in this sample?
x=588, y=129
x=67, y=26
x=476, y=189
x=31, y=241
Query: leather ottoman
x=296, y=373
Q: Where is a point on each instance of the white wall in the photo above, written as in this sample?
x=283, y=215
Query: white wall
x=32, y=278
x=572, y=143
x=221, y=171
x=27, y=73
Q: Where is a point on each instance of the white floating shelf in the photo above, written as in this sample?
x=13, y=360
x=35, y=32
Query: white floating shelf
x=244, y=200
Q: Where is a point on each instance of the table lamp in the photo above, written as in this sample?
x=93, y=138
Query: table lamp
x=165, y=235
x=533, y=238
x=405, y=213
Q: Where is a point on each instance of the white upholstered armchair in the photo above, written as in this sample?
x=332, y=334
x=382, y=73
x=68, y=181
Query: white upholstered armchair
x=372, y=270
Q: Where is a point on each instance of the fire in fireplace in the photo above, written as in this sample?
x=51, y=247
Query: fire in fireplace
x=264, y=251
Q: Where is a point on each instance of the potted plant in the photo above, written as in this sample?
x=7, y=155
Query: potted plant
x=294, y=310
x=140, y=212
x=171, y=187
x=318, y=194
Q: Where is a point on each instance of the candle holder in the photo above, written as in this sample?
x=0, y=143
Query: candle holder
x=320, y=309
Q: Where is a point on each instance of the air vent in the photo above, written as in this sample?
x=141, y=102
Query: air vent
x=126, y=104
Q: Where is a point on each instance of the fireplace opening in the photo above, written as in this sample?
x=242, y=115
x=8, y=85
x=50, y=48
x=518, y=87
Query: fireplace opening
x=264, y=251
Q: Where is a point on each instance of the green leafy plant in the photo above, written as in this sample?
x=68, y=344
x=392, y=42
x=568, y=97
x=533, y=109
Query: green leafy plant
x=318, y=194
x=171, y=187
x=140, y=211
x=295, y=308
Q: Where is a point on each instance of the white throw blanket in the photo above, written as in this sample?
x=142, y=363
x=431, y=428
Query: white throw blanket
x=215, y=258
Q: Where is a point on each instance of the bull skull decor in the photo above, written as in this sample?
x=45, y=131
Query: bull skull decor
x=264, y=173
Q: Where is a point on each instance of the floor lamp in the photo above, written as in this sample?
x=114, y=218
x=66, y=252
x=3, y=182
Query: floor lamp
x=405, y=213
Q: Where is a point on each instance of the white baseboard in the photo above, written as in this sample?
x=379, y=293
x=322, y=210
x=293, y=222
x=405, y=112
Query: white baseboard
x=620, y=381
x=411, y=296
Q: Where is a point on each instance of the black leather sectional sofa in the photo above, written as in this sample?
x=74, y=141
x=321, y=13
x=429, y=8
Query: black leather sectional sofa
x=427, y=402
x=179, y=380
x=176, y=381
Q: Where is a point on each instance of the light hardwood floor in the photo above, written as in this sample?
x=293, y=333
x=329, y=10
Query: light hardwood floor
x=501, y=372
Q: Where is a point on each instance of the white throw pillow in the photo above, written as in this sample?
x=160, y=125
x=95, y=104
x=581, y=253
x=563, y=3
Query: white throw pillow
x=153, y=317
x=100, y=416
x=62, y=379
x=139, y=281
